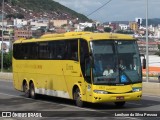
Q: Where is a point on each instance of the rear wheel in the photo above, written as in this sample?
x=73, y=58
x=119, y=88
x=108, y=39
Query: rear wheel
x=26, y=90
x=32, y=91
x=77, y=98
x=120, y=104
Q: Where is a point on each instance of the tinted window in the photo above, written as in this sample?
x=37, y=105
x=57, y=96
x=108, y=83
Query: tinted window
x=44, y=52
x=55, y=50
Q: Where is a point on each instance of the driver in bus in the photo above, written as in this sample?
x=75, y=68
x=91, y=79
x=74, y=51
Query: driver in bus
x=121, y=65
x=108, y=71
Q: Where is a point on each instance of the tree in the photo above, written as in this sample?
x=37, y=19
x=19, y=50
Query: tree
x=13, y=2
x=124, y=32
x=91, y=29
x=107, y=29
x=7, y=60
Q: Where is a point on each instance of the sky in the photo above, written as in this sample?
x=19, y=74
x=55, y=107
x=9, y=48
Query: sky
x=116, y=10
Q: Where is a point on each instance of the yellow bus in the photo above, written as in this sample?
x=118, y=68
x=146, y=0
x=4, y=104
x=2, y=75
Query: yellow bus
x=82, y=66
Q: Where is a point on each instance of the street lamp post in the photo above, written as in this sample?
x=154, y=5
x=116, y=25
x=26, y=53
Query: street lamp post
x=2, y=36
x=147, y=57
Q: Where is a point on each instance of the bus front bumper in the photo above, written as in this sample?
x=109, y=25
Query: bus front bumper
x=100, y=98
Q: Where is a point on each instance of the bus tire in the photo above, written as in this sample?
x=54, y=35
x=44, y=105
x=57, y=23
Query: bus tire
x=32, y=91
x=77, y=98
x=120, y=104
x=26, y=90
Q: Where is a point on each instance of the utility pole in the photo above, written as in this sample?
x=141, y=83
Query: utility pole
x=147, y=57
x=2, y=36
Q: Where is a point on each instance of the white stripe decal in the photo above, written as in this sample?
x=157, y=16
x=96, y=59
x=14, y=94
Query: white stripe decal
x=56, y=93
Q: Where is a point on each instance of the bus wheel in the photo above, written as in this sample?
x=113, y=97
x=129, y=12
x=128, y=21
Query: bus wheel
x=32, y=91
x=26, y=90
x=77, y=98
x=120, y=104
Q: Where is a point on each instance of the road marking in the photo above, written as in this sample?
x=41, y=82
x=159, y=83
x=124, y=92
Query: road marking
x=133, y=103
x=48, y=102
x=87, y=109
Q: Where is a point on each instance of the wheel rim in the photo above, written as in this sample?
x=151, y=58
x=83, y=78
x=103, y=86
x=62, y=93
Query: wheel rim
x=25, y=89
x=32, y=92
x=77, y=98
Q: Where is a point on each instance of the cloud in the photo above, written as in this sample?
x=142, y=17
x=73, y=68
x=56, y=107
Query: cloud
x=82, y=6
x=115, y=10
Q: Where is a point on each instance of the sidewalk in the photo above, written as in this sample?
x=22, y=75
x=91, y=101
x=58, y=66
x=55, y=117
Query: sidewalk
x=151, y=88
x=6, y=76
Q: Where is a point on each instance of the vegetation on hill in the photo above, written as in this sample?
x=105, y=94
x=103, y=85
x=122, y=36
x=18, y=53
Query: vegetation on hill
x=48, y=6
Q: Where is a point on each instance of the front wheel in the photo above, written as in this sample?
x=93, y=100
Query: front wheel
x=32, y=91
x=77, y=98
x=120, y=104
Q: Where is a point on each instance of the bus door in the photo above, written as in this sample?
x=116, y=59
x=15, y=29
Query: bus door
x=86, y=69
x=88, y=82
x=71, y=65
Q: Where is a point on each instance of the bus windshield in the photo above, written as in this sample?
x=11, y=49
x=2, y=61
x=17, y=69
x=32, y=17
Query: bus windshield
x=115, y=62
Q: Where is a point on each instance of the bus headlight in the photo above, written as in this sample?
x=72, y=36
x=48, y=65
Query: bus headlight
x=100, y=91
x=136, y=89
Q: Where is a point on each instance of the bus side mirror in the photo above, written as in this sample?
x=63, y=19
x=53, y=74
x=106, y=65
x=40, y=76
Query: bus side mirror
x=144, y=63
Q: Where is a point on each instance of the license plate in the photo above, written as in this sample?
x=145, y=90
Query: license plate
x=120, y=98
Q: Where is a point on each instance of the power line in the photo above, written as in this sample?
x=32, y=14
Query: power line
x=99, y=8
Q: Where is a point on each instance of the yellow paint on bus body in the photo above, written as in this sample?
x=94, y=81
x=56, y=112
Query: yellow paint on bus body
x=58, y=77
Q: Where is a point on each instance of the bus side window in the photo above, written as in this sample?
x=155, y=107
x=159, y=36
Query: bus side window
x=73, y=50
x=83, y=52
x=52, y=49
x=60, y=45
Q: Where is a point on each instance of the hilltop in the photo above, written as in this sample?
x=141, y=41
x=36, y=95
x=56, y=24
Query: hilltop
x=39, y=8
x=151, y=21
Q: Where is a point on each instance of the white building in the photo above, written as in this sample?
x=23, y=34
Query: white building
x=157, y=32
x=4, y=23
x=123, y=26
x=39, y=23
x=6, y=45
x=20, y=22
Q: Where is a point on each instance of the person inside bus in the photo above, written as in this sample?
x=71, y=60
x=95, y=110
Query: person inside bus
x=74, y=56
x=98, y=70
x=108, y=71
x=122, y=65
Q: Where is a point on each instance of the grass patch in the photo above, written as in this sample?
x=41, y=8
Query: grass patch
x=7, y=69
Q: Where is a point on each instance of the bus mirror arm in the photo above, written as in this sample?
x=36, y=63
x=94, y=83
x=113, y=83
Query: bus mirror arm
x=90, y=58
x=91, y=61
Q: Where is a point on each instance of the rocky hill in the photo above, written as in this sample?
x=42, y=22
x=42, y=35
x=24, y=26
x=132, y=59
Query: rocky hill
x=39, y=9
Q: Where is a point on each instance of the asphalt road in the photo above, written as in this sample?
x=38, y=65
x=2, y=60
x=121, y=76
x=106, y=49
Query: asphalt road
x=57, y=108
